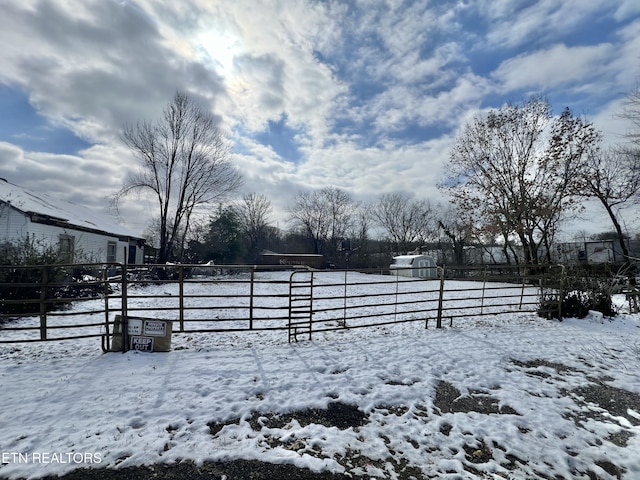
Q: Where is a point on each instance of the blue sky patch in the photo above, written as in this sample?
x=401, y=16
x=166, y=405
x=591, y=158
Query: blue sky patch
x=22, y=125
x=282, y=139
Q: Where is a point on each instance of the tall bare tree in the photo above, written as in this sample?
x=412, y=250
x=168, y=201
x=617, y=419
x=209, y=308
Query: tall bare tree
x=613, y=178
x=254, y=211
x=405, y=221
x=325, y=216
x=458, y=234
x=517, y=167
x=184, y=165
x=631, y=113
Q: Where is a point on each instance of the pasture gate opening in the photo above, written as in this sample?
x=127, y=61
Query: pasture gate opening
x=61, y=302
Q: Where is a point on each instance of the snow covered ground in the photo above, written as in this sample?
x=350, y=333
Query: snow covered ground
x=505, y=396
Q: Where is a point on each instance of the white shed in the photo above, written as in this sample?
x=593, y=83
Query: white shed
x=417, y=266
x=77, y=232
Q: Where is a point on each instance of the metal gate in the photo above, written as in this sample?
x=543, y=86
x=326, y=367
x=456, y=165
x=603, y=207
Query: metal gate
x=300, y=305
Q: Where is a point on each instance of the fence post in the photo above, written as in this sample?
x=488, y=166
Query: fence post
x=485, y=274
x=181, y=295
x=105, y=279
x=344, y=302
x=124, y=308
x=253, y=274
x=43, y=303
x=311, y=306
x=395, y=301
x=561, y=291
x=440, y=298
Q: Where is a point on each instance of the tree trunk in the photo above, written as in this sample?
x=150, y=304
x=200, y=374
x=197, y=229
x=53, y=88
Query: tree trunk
x=616, y=225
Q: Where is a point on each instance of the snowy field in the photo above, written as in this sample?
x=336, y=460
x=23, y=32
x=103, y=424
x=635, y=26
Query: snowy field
x=227, y=302
x=492, y=397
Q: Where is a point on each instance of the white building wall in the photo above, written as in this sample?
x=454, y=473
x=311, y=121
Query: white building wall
x=14, y=225
x=88, y=246
x=600, y=252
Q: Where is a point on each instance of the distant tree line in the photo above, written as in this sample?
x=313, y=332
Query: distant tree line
x=514, y=177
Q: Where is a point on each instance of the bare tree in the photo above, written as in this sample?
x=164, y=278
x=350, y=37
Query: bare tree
x=631, y=112
x=517, y=168
x=613, y=177
x=357, y=253
x=405, y=221
x=254, y=211
x=184, y=165
x=325, y=216
x=458, y=233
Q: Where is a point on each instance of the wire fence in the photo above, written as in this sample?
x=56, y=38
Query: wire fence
x=60, y=302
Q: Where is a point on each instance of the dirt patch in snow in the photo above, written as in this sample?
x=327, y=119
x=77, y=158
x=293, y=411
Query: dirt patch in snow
x=337, y=414
x=450, y=400
x=616, y=401
x=236, y=470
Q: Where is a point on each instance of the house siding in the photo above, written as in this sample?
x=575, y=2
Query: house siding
x=88, y=246
x=14, y=225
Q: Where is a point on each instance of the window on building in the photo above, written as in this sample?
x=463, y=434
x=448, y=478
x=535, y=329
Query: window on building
x=66, y=247
x=111, y=251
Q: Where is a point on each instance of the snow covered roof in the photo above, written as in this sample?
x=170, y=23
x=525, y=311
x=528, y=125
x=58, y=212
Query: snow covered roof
x=407, y=259
x=61, y=211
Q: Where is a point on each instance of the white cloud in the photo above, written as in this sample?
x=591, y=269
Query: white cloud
x=609, y=122
x=544, y=20
x=625, y=64
x=57, y=174
x=554, y=67
x=94, y=65
x=627, y=9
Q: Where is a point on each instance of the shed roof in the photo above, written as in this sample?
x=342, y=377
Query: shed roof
x=60, y=211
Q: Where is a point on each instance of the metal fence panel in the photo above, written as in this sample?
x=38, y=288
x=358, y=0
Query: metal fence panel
x=58, y=302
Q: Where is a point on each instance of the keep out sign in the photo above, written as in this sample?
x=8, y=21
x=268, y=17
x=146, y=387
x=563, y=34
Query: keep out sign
x=144, y=344
x=143, y=334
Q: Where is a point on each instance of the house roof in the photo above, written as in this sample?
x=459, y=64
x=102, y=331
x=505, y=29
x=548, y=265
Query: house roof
x=60, y=211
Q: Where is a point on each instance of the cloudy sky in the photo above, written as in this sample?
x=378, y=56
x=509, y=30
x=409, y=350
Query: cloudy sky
x=364, y=95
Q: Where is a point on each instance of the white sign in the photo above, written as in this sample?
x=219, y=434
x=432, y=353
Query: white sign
x=134, y=327
x=143, y=344
x=156, y=328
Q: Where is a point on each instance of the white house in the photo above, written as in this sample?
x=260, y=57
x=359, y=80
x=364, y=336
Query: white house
x=422, y=266
x=591, y=252
x=77, y=232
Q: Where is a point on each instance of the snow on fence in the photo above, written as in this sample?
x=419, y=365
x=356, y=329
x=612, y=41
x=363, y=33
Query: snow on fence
x=59, y=302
